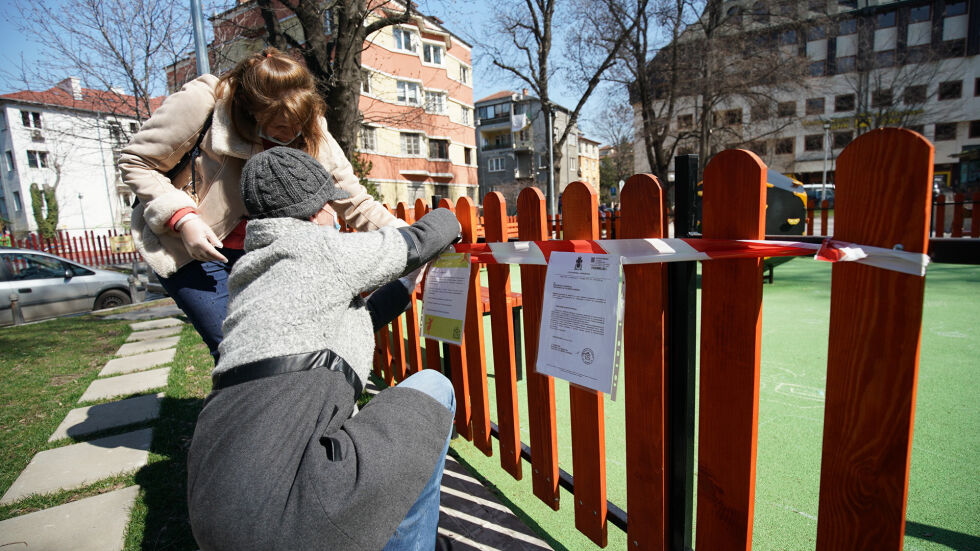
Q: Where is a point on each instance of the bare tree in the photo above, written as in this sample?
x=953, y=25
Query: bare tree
x=526, y=28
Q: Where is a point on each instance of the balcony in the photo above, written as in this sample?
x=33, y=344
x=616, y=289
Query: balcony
x=497, y=146
x=496, y=121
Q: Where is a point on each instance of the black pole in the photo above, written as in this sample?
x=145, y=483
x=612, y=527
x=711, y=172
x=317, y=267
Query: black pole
x=681, y=341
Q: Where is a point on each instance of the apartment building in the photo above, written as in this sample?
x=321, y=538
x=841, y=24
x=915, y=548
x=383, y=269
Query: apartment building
x=416, y=98
x=868, y=64
x=67, y=137
x=588, y=161
x=513, y=139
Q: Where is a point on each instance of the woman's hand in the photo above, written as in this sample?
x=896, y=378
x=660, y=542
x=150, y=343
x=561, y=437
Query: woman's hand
x=200, y=241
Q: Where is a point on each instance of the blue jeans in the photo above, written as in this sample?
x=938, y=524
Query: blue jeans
x=417, y=532
x=200, y=289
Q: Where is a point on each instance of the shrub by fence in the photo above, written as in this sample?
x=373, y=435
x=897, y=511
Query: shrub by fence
x=872, y=366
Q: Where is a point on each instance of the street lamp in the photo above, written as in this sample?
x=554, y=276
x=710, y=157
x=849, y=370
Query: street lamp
x=826, y=158
x=81, y=208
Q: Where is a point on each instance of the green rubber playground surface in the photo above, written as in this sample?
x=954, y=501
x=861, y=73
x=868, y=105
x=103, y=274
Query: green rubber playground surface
x=944, y=489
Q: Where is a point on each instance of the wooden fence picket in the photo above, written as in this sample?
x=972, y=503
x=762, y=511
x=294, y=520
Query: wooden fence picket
x=473, y=345
x=502, y=331
x=645, y=371
x=957, y=230
x=580, y=221
x=533, y=226
x=873, y=356
x=458, y=371
x=733, y=207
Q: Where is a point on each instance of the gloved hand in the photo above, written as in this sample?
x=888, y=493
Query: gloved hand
x=430, y=236
x=200, y=240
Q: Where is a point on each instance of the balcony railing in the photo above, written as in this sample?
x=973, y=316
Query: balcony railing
x=495, y=120
x=493, y=146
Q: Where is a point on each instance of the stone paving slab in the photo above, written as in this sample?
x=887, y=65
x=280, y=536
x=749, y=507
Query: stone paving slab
x=96, y=523
x=80, y=464
x=475, y=519
x=141, y=347
x=154, y=333
x=153, y=312
x=123, y=385
x=82, y=421
x=155, y=324
x=140, y=362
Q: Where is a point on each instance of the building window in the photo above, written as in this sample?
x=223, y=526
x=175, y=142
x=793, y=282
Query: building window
x=844, y=102
x=31, y=119
x=945, y=131
x=786, y=109
x=817, y=68
x=919, y=14
x=435, y=102
x=955, y=8
x=466, y=115
x=760, y=112
x=885, y=19
x=815, y=33
x=841, y=139
x=134, y=128
x=846, y=64
x=787, y=38
x=411, y=144
x=365, y=81
x=848, y=4
x=18, y=204
x=976, y=87
x=918, y=54
x=784, y=146
x=730, y=117
x=438, y=149
x=685, y=121
x=847, y=26
x=881, y=98
x=885, y=58
x=468, y=155
x=9, y=157
x=914, y=95
x=408, y=92
x=813, y=142
x=368, y=139
x=952, y=89
x=432, y=54
x=37, y=159
x=917, y=128
x=975, y=129
x=814, y=106
x=464, y=74
x=495, y=164
x=404, y=40
x=759, y=148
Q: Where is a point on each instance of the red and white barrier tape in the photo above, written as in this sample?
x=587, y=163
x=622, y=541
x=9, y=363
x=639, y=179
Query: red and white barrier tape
x=647, y=251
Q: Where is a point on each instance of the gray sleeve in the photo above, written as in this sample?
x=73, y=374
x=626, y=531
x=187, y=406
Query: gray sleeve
x=387, y=303
x=429, y=236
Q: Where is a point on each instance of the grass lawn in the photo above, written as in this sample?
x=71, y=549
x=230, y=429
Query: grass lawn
x=943, y=509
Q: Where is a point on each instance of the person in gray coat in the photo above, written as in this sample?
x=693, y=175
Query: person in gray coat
x=281, y=458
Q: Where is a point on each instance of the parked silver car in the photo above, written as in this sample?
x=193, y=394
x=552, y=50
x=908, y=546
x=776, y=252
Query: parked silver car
x=47, y=285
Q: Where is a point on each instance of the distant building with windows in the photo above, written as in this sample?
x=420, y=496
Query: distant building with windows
x=870, y=63
x=513, y=139
x=588, y=161
x=416, y=98
x=68, y=137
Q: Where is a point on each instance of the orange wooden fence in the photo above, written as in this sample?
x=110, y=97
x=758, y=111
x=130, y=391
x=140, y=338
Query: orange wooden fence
x=92, y=248
x=875, y=319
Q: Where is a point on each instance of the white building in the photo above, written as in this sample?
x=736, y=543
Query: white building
x=68, y=137
x=870, y=63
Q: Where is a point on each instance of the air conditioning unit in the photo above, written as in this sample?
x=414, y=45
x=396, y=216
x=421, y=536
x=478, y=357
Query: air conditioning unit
x=37, y=135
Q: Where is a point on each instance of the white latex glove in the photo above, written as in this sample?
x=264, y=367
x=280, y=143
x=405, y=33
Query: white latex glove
x=200, y=240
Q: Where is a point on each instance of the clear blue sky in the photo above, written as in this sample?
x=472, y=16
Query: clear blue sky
x=464, y=18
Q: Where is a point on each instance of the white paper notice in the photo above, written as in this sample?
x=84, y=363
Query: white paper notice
x=581, y=321
x=444, y=298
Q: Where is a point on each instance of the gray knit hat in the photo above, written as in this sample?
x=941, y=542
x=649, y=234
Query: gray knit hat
x=287, y=183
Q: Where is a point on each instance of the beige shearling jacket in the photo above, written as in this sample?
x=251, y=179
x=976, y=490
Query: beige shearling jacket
x=170, y=133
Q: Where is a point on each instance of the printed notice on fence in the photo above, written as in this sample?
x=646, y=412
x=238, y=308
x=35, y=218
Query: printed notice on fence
x=581, y=321
x=444, y=298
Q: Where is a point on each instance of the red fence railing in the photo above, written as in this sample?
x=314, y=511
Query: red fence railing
x=92, y=248
x=875, y=319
